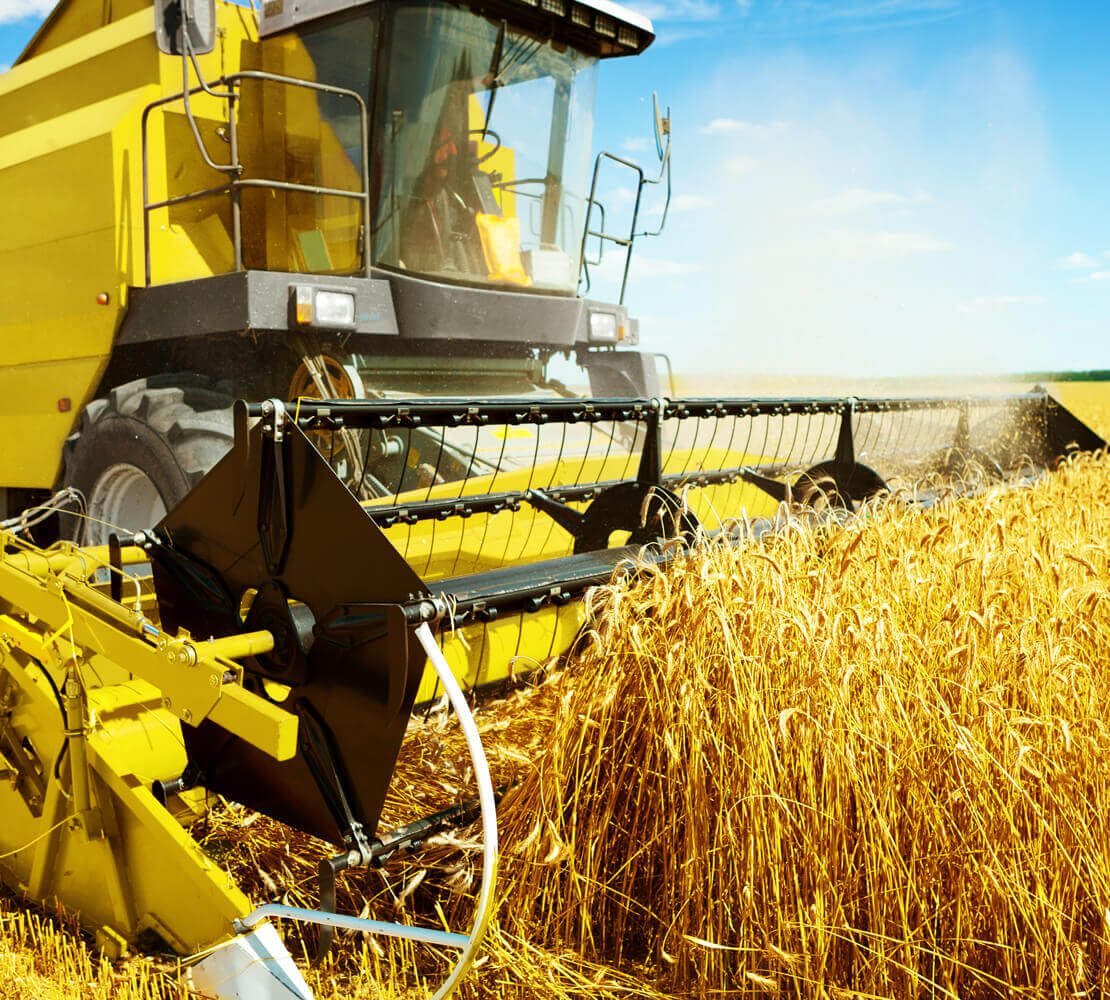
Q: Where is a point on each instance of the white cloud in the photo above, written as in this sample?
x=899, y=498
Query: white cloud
x=877, y=292
x=654, y=267
x=680, y=203
x=689, y=202
x=4, y=67
x=611, y=268
x=738, y=166
x=734, y=126
x=620, y=196
x=996, y=303
x=1096, y=276
x=855, y=199
x=1077, y=260
x=636, y=144
x=880, y=245
x=17, y=10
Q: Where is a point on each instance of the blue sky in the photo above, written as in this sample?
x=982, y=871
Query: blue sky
x=863, y=187
x=876, y=186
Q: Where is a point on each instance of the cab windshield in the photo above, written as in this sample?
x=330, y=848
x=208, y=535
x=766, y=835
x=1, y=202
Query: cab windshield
x=483, y=149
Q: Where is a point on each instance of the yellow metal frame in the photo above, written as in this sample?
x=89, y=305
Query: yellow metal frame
x=93, y=695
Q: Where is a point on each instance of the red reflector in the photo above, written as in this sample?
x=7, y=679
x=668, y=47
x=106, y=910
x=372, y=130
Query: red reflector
x=103, y=299
x=65, y=404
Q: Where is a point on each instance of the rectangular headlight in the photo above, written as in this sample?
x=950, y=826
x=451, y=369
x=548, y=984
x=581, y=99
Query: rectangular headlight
x=603, y=328
x=334, y=309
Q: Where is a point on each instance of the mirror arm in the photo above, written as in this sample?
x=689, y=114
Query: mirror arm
x=663, y=128
x=187, y=55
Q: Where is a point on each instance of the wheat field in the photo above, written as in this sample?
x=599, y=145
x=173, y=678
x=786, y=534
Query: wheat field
x=861, y=762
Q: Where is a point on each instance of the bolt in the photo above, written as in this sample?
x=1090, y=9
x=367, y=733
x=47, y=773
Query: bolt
x=165, y=703
x=213, y=680
x=187, y=715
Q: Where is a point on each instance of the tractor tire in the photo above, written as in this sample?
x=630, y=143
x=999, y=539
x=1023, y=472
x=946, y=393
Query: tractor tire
x=138, y=452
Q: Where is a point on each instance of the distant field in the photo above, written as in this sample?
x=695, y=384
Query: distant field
x=1089, y=400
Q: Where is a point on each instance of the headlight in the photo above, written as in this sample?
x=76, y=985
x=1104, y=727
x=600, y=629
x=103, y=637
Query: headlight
x=335, y=309
x=316, y=307
x=603, y=328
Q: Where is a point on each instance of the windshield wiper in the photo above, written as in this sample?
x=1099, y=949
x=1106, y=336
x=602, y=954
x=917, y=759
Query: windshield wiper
x=520, y=53
x=494, y=71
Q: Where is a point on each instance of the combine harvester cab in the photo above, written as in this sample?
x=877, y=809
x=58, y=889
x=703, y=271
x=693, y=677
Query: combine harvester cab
x=353, y=199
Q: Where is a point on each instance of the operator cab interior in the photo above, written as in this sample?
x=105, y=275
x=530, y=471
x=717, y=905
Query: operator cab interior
x=480, y=124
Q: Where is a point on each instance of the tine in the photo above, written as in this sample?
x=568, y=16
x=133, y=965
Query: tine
x=525, y=545
x=733, y=492
x=467, y=527
x=486, y=519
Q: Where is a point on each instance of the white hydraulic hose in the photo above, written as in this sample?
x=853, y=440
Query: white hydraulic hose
x=216, y=972
x=486, y=801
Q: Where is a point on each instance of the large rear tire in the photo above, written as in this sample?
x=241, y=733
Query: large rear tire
x=139, y=451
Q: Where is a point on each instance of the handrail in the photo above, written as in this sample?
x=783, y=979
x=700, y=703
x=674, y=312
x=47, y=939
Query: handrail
x=601, y=235
x=234, y=168
x=628, y=241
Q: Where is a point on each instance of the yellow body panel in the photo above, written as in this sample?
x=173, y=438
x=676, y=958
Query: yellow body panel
x=488, y=654
x=71, y=160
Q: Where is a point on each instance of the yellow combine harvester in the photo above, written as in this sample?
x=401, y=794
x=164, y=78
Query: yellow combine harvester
x=383, y=213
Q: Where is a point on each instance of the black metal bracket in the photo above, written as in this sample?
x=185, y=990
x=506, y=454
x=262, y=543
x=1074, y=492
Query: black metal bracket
x=115, y=570
x=644, y=507
x=651, y=458
x=403, y=838
x=845, y=443
x=565, y=516
x=841, y=482
x=961, y=457
x=274, y=500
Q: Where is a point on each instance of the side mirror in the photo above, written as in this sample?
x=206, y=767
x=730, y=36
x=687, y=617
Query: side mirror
x=185, y=25
x=662, y=128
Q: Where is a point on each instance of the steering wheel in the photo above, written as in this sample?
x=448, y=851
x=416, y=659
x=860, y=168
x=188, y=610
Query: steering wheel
x=484, y=133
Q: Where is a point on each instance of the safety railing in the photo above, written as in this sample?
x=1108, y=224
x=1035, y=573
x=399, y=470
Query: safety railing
x=602, y=235
x=234, y=168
